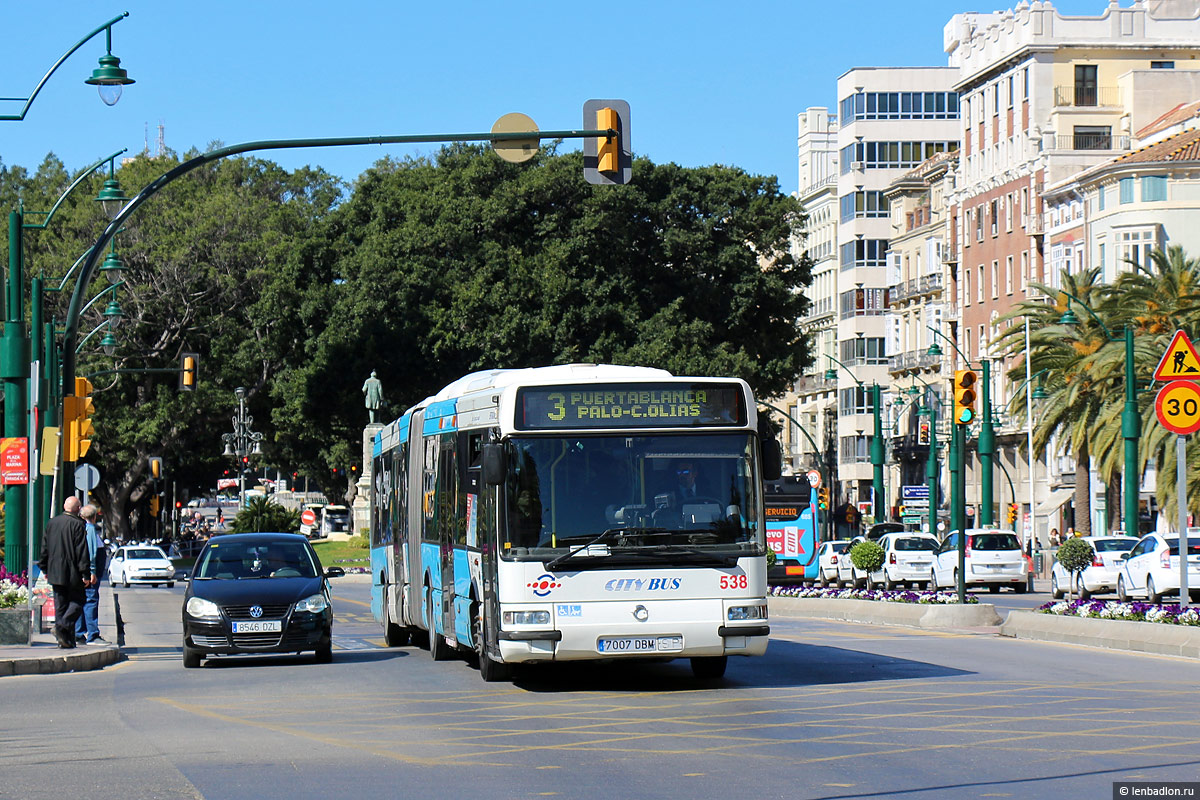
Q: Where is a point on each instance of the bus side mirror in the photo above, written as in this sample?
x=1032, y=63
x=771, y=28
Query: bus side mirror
x=493, y=464
x=772, y=460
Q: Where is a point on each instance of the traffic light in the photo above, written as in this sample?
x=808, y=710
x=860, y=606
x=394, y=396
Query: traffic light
x=189, y=365
x=1012, y=513
x=923, y=432
x=607, y=159
x=154, y=505
x=77, y=421
x=155, y=467
x=964, y=396
x=823, y=498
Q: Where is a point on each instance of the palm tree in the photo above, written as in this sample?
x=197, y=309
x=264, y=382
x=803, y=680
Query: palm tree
x=260, y=514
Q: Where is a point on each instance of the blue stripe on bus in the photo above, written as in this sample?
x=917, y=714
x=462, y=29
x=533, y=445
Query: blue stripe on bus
x=431, y=565
x=402, y=426
x=440, y=417
x=379, y=557
x=462, y=595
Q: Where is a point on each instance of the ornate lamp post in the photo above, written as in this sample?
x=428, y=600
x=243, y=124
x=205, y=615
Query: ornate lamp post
x=242, y=443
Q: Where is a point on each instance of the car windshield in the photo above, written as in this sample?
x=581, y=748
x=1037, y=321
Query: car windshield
x=1193, y=547
x=878, y=530
x=839, y=547
x=669, y=499
x=145, y=552
x=995, y=541
x=242, y=560
x=914, y=543
x=1113, y=545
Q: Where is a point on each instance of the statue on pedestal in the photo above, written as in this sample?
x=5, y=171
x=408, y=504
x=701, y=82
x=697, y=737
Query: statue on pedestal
x=373, y=390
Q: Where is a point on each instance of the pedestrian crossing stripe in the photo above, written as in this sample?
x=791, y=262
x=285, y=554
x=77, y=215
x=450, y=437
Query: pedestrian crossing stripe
x=1180, y=362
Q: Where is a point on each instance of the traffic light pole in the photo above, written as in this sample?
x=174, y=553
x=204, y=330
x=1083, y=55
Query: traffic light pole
x=931, y=470
x=958, y=504
x=987, y=450
x=877, y=454
x=14, y=370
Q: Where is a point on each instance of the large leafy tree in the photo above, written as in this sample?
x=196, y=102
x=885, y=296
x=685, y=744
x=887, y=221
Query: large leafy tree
x=438, y=267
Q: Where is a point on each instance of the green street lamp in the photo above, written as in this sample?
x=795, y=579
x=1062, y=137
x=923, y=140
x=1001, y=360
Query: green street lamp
x=112, y=266
x=109, y=343
x=108, y=77
x=1131, y=422
x=876, y=438
x=113, y=314
x=111, y=197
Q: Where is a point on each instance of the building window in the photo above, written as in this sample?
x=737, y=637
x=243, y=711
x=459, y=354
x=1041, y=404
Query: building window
x=891, y=155
x=1154, y=187
x=1025, y=81
x=1100, y=198
x=864, y=350
x=864, y=253
x=864, y=205
x=979, y=223
x=979, y=288
x=1008, y=212
x=1008, y=275
x=1101, y=258
x=899, y=105
x=966, y=287
x=1126, y=185
x=855, y=400
x=1092, y=137
x=995, y=209
x=1162, y=65
x=853, y=449
x=996, y=98
x=864, y=302
x=995, y=279
x=1086, y=87
x=1024, y=269
x=1134, y=247
x=1010, y=91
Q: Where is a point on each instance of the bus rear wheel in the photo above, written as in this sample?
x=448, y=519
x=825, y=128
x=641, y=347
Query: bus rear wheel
x=437, y=642
x=709, y=667
x=394, y=635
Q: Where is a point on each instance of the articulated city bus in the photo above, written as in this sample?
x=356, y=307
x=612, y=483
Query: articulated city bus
x=573, y=512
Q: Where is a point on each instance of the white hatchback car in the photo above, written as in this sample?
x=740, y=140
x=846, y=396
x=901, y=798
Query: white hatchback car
x=847, y=575
x=1102, y=575
x=993, y=559
x=828, y=556
x=1151, y=568
x=141, y=564
x=907, y=559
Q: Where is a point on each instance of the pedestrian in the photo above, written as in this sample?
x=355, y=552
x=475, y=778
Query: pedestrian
x=1054, y=540
x=220, y=517
x=64, y=560
x=87, y=627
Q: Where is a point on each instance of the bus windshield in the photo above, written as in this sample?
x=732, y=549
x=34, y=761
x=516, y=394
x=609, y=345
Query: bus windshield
x=641, y=499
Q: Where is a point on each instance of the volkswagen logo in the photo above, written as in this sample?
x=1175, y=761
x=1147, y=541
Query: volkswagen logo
x=256, y=611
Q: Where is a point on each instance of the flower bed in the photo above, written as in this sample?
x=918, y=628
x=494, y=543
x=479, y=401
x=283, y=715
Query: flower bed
x=926, y=598
x=1132, y=612
x=14, y=589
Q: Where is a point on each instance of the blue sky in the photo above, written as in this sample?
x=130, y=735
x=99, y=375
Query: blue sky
x=241, y=71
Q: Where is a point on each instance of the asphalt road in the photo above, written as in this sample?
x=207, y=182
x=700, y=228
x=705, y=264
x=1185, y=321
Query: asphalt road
x=832, y=711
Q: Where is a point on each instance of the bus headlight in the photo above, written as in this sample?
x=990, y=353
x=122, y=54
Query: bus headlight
x=746, y=612
x=526, y=617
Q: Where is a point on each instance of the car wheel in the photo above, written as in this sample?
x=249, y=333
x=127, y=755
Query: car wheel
x=1152, y=595
x=869, y=583
x=1055, y=590
x=437, y=642
x=820, y=581
x=1122, y=594
x=1020, y=588
x=127, y=583
x=154, y=586
x=1084, y=594
x=490, y=670
x=933, y=584
x=888, y=583
x=994, y=588
x=709, y=668
x=191, y=657
x=170, y=584
x=324, y=654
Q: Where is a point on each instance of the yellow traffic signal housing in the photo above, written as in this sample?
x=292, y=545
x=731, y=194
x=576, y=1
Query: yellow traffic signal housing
x=155, y=467
x=608, y=150
x=154, y=505
x=608, y=159
x=823, y=497
x=77, y=421
x=964, y=396
x=1012, y=513
x=189, y=365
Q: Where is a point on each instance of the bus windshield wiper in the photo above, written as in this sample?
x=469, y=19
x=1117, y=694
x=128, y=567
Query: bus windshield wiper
x=557, y=562
x=697, y=555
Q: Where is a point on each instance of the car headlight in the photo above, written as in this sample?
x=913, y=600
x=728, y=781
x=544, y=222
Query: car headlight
x=314, y=604
x=747, y=612
x=200, y=608
x=526, y=617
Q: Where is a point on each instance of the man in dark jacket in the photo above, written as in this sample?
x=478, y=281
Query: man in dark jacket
x=67, y=567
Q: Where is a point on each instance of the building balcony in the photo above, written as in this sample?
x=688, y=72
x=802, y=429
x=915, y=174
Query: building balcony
x=1086, y=96
x=931, y=283
x=912, y=360
x=1102, y=142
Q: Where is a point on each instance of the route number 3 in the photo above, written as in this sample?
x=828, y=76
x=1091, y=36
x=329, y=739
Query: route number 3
x=733, y=582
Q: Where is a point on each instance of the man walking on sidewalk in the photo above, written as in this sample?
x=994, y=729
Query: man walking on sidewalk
x=87, y=627
x=68, y=569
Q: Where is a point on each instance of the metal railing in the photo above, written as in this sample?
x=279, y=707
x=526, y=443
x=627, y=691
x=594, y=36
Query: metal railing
x=1091, y=141
x=1087, y=96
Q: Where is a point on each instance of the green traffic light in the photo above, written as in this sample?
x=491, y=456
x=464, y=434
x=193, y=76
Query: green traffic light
x=966, y=415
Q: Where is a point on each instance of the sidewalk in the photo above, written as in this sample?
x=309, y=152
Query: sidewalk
x=44, y=657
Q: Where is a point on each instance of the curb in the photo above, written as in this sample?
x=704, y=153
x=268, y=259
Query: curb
x=89, y=659
x=913, y=615
x=1113, y=634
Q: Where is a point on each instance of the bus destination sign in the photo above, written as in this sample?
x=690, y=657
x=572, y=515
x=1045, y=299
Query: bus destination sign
x=630, y=405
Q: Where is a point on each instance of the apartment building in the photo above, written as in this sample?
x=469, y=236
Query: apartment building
x=1047, y=97
x=891, y=120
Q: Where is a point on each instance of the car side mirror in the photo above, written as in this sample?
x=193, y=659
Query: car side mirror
x=493, y=464
x=334, y=572
x=772, y=460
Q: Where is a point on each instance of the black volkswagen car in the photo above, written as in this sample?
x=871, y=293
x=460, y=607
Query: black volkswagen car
x=257, y=593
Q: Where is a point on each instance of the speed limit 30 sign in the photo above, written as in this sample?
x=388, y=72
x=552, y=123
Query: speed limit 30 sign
x=1178, y=407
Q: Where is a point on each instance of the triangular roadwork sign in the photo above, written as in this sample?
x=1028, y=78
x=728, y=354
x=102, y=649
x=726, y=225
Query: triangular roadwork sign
x=1180, y=362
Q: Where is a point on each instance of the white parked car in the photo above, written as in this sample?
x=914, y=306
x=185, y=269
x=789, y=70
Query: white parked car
x=828, y=556
x=847, y=575
x=907, y=559
x=141, y=564
x=993, y=559
x=1101, y=576
x=1151, y=568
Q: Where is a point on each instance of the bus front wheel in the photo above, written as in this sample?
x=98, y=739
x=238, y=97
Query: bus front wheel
x=491, y=671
